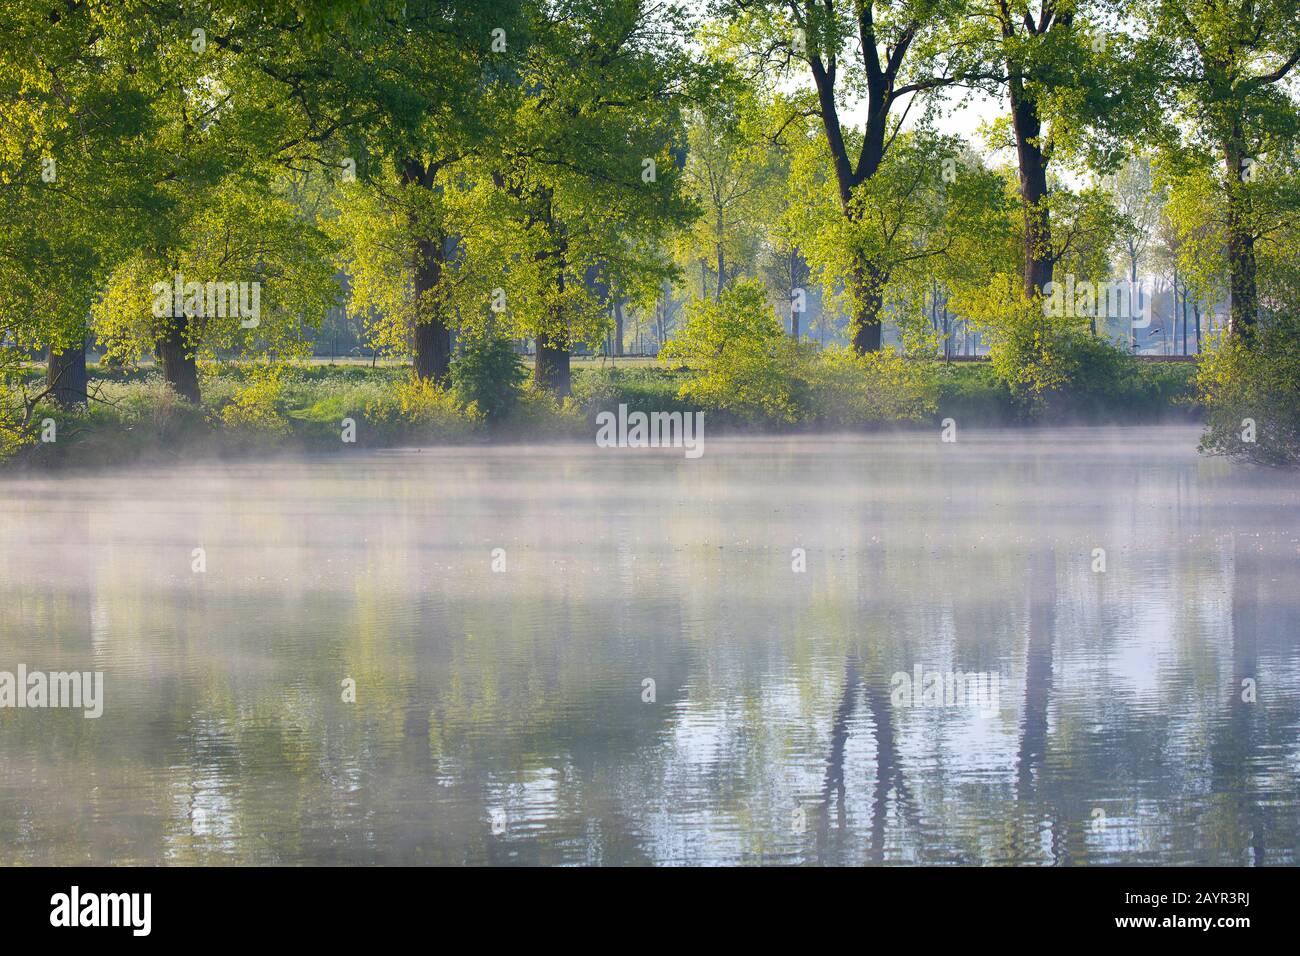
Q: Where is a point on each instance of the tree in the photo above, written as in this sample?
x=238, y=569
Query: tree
x=1228, y=61
x=743, y=363
x=865, y=55
x=419, y=97
x=1074, y=89
x=734, y=177
x=585, y=184
x=229, y=235
x=1138, y=203
x=74, y=187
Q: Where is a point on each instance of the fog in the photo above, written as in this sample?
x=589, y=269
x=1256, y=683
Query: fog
x=576, y=654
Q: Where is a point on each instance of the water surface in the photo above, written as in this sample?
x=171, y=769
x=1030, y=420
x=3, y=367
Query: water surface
x=501, y=716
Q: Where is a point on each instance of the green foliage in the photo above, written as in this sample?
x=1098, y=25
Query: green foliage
x=743, y=363
x=646, y=389
x=601, y=154
x=489, y=374
x=1259, y=383
x=12, y=437
x=734, y=175
x=255, y=408
x=1051, y=364
x=541, y=415
x=421, y=409
x=240, y=232
x=847, y=389
x=973, y=394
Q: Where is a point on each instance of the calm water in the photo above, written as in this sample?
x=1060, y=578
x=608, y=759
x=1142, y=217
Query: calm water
x=499, y=716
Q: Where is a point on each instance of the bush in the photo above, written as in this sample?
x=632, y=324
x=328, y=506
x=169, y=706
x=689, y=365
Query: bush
x=490, y=375
x=254, y=410
x=1053, y=365
x=644, y=389
x=1259, y=384
x=153, y=408
x=972, y=393
x=12, y=437
x=539, y=414
x=419, y=409
x=740, y=362
x=1036, y=361
x=741, y=359
x=850, y=389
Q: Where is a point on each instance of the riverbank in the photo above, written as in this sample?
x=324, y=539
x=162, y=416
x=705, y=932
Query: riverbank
x=323, y=408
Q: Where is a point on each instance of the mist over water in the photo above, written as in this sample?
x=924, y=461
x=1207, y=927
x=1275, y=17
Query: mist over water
x=1121, y=735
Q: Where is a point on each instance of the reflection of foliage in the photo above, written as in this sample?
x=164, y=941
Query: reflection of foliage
x=1262, y=383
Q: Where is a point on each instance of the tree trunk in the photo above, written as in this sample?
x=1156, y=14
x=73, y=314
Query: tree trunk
x=65, y=374
x=1184, y=315
x=432, y=336
x=868, y=277
x=1244, y=295
x=1173, y=308
x=870, y=282
x=618, y=327
x=551, y=370
x=180, y=370
x=1033, y=190
x=794, y=284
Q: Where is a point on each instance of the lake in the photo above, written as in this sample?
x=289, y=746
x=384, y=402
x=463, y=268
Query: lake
x=576, y=655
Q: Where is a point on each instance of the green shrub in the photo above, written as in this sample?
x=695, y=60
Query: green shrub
x=538, y=414
x=1258, y=385
x=741, y=360
x=488, y=374
x=640, y=388
x=254, y=411
x=848, y=389
x=12, y=437
x=152, y=407
x=972, y=393
x=419, y=409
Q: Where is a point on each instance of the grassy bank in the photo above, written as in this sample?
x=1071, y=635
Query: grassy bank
x=314, y=407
